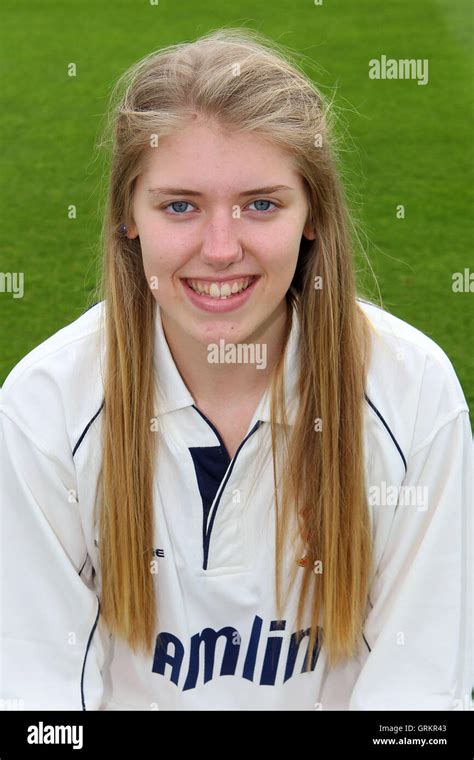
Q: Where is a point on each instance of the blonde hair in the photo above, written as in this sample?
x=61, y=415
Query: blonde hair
x=323, y=483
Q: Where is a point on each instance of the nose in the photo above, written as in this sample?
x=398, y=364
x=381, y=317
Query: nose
x=221, y=244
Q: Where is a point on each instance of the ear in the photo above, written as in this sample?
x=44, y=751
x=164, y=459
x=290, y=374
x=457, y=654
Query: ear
x=132, y=232
x=308, y=232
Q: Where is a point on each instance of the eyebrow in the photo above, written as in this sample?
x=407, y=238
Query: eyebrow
x=183, y=191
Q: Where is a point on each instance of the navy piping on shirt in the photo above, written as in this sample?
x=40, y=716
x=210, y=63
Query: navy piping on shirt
x=83, y=564
x=388, y=430
x=215, y=431
x=85, y=656
x=207, y=531
x=101, y=407
x=84, y=432
x=216, y=505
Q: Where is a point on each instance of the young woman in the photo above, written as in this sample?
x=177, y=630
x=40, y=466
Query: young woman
x=232, y=483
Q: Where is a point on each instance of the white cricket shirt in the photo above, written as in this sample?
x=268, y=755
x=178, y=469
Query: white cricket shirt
x=222, y=645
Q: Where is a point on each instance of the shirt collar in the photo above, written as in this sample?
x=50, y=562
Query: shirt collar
x=173, y=393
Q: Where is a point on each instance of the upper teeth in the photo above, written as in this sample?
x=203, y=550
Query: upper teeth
x=223, y=290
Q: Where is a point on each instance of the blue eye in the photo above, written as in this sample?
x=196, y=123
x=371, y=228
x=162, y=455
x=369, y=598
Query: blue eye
x=178, y=203
x=263, y=209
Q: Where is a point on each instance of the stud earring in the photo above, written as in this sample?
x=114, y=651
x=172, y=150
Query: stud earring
x=122, y=229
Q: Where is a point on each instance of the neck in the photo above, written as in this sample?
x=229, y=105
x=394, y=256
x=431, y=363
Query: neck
x=228, y=383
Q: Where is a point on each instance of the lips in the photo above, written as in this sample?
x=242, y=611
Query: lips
x=220, y=289
x=220, y=303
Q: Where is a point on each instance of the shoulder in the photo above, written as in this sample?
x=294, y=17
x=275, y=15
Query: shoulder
x=53, y=390
x=410, y=380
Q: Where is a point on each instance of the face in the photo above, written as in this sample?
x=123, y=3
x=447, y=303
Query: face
x=211, y=219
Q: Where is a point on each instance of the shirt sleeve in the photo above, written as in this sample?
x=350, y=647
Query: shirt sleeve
x=52, y=649
x=419, y=628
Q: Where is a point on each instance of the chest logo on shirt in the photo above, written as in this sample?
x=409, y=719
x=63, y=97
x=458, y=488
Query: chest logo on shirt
x=237, y=657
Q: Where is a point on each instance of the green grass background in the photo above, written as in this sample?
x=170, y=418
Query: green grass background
x=406, y=144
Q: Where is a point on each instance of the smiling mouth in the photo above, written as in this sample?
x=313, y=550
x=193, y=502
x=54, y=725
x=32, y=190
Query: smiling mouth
x=220, y=290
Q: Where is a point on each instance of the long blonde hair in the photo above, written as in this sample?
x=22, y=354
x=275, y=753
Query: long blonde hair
x=245, y=82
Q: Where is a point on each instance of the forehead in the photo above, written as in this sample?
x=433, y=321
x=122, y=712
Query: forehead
x=212, y=158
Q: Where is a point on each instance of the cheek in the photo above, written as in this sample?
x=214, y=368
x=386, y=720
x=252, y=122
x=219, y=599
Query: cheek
x=278, y=255
x=162, y=253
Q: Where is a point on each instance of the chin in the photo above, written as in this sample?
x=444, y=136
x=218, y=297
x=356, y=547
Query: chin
x=232, y=331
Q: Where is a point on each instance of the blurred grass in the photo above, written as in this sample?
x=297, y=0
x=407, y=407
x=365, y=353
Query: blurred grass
x=406, y=144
